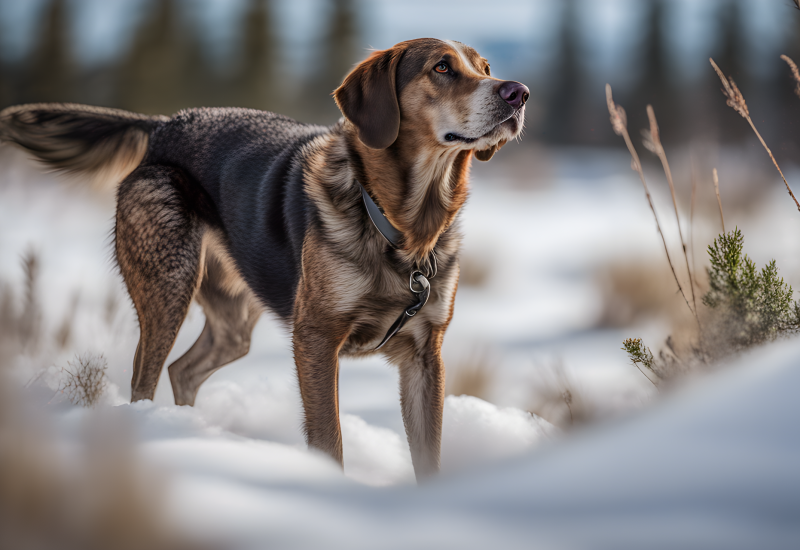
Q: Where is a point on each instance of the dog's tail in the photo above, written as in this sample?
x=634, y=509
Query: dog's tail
x=103, y=144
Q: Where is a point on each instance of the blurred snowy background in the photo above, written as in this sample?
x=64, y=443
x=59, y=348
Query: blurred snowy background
x=561, y=262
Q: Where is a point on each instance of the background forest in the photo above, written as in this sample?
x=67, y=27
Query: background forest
x=159, y=57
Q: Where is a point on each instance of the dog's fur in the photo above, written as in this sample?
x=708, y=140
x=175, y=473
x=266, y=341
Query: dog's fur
x=245, y=210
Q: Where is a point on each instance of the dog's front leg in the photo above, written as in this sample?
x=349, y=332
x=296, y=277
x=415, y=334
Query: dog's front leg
x=316, y=354
x=421, y=398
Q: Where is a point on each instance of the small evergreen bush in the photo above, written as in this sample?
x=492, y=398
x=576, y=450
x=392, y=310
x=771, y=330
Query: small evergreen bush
x=746, y=308
x=751, y=307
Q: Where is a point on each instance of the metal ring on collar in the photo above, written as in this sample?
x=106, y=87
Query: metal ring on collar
x=419, y=279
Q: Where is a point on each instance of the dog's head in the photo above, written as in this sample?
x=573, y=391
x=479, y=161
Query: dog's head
x=439, y=91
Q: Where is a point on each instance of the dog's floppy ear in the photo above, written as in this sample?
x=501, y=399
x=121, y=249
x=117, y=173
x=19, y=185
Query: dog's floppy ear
x=489, y=153
x=368, y=98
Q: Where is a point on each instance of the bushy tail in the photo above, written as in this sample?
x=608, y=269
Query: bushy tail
x=103, y=144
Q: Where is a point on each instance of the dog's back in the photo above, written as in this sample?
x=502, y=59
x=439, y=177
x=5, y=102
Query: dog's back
x=226, y=148
x=246, y=160
x=238, y=170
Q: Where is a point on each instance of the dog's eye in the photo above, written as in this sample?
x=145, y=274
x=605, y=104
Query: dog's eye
x=488, y=70
x=441, y=67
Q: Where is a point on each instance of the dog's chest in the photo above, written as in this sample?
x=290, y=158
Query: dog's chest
x=378, y=309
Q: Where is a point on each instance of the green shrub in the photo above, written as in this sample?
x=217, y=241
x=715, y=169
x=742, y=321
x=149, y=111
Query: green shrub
x=751, y=307
x=746, y=308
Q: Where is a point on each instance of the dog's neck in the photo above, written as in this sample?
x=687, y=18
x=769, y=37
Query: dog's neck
x=420, y=187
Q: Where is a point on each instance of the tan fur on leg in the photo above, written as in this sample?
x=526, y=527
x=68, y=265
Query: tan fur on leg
x=422, y=398
x=318, y=336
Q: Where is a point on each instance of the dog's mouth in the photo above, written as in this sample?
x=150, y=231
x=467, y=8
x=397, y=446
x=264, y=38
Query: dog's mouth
x=450, y=136
x=512, y=123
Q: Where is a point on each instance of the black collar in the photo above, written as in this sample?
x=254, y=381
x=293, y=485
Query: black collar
x=379, y=220
x=417, y=282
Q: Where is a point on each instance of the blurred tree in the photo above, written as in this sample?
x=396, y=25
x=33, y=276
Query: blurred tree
x=657, y=84
x=151, y=78
x=784, y=102
x=49, y=71
x=8, y=82
x=256, y=77
x=730, y=52
x=9, y=75
x=199, y=83
x=730, y=56
x=562, y=123
x=340, y=53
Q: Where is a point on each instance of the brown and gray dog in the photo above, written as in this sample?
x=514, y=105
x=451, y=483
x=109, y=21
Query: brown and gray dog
x=245, y=210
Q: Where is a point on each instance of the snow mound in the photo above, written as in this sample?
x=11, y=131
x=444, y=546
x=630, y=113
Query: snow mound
x=712, y=466
x=374, y=455
x=261, y=410
x=476, y=432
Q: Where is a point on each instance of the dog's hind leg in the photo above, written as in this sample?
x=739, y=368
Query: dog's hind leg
x=231, y=314
x=158, y=245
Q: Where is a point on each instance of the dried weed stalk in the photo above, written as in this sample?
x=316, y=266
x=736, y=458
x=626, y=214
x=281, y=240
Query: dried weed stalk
x=691, y=223
x=795, y=72
x=736, y=101
x=474, y=270
x=556, y=398
x=472, y=376
x=85, y=380
x=29, y=328
x=21, y=319
x=719, y=200
x=107, y=499
x=635, y=291
x=619, y=122
x=652, y=142
x=63, y=334
x=103, y=497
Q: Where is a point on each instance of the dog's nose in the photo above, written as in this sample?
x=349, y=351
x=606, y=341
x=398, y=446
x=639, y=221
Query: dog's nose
x=514, y=93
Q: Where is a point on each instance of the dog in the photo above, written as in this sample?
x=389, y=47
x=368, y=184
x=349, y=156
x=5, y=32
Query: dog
x=344, y=232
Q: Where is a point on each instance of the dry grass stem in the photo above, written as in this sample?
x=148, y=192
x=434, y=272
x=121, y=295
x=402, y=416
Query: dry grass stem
x=472, y=376
x=556, y=398
x=88, y=491
x=636, y=292
x=735, y=100
x=719, y=200
x=653, y=143
x=29, y=326
x=619, y=124
x=474, y=270
x=795, y=72
x=63, y=334
x=85, y=380
x=691, y=221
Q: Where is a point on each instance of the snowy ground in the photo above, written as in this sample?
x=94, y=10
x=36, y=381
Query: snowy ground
x=714, y=464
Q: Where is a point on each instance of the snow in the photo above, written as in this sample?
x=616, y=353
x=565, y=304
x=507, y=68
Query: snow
x=710, y=465
x=476, y=432
x=713, y=465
